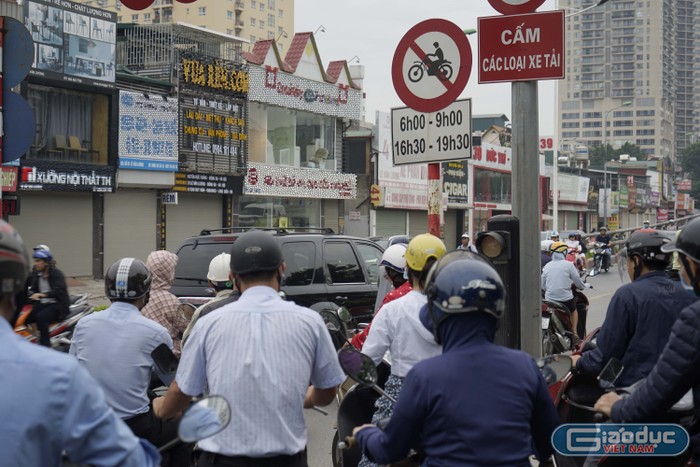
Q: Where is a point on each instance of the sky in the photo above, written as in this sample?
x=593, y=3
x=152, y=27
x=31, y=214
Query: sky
x=371, y=30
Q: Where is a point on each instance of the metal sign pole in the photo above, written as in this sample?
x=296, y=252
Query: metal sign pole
x=525, y=186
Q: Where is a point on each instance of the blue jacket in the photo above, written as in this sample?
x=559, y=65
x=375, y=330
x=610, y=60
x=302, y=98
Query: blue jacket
x=676, y=372
x=476, y=404
x=637, y=326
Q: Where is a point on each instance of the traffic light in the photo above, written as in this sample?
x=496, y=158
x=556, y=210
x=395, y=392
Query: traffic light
x=500, y=244
x=494, y=245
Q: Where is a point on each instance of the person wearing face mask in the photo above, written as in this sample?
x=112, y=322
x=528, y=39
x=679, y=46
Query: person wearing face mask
x=640, y=314
x=678, y=368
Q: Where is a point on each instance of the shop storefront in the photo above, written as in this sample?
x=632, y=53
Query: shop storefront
x=490, y=172
x=295, y=123
x=401, y=198
x=71, y=164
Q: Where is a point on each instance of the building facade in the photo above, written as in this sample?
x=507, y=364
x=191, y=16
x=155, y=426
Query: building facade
x=631, y=66
x=251, y=20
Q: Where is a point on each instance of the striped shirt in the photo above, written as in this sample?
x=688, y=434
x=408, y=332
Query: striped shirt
x=260, y=353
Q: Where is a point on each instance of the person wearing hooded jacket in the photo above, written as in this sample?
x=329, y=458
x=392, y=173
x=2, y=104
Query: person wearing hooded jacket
x=398, y=329
x=162, y=306
x=478, y=403
x=678, y=369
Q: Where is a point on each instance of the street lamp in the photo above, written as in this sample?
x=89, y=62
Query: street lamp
x=605, y=165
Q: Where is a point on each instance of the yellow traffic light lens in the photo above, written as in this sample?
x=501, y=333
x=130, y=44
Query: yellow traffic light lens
x=491, y=247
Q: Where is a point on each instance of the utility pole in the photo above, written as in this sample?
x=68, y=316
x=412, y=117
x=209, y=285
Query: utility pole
x=605, y=164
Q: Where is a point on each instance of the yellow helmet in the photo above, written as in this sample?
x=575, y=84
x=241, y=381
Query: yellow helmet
x=558, y=247
x=421, y=248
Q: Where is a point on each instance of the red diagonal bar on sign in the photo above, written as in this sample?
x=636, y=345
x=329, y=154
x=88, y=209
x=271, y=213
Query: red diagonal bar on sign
x=422, y=55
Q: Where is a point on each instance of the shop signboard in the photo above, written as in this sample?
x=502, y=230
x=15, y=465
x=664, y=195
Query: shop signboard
x=573, y=189
x=685, y=185
x=9, y=178
x=213, y=114
x=454, y=182
x=661, y=215
x=208, y=184
x=404, y=186
x=60, y=176
x=273, y=86
x=624, y=197
x=147, y=132
x=297, y=182
x=73, y=43
x=10, y=206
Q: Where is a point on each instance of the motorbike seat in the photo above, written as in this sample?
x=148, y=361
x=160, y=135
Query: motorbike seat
x=553, y=304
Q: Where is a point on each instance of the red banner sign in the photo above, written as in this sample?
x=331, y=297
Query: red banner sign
x=521, y=47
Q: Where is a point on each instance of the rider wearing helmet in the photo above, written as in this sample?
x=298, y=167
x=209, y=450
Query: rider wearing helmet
x=605, y=239
x=398, y=329
x=62, y=407
x=48, y=293
x=394, y=264
x=557, y=278
x=221, y=281
x=640, y=314
x=678, y=368
x=115, y=346
x=554, y=236
x=249, y=349
x=646, y=224
x=458, y=404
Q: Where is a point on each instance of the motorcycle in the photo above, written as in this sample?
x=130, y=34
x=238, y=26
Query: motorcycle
x=557, y=328
x=443, y=71
x=61, y=332
x=575, y=395
x=572, y=257
x=601, y=258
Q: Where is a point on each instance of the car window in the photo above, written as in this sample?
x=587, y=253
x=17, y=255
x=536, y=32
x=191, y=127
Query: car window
x=300, y=258
x=342, y=263
x=193, y=259
x=372, y=256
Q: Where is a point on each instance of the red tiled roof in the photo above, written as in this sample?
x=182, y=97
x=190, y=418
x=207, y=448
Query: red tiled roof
x=334, y=70
x=259, y=52
x=296, y=50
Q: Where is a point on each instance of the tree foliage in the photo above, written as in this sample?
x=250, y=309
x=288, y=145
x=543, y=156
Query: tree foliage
x=690, y=161
x=598, y=155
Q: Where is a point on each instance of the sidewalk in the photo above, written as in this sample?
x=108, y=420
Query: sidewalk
x=94, y=288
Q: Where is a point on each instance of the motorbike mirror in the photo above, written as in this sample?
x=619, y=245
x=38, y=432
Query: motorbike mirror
x=282, y=294
x=203, y=419
x=358, y=366
x=165, y=363
x=609, y=374
x=331, y=319
x=344, y=314
x=554, y=367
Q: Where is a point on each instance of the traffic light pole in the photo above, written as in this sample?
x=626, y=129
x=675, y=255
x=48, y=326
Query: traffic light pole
x=525, y=185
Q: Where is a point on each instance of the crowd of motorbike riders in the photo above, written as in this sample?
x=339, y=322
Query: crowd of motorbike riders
x=467, y=400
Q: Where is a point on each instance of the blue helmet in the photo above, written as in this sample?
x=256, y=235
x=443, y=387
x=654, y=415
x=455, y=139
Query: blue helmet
x=462, y=282
x=43, y=254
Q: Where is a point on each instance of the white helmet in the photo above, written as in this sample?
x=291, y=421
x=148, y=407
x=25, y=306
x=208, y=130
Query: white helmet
x=219, y=268
x=394, y=258
x=545, y=244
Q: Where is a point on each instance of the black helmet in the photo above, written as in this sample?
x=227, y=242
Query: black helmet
x=647, y=243
x=687, y=242
x=14, y=264
x=255, y=251
x=127, y=279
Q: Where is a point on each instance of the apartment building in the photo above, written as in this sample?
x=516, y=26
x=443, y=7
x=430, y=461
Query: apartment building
x=249, y=19
x=632, y=66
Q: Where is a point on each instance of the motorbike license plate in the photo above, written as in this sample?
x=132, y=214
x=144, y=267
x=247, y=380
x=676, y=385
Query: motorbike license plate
x=545, y=323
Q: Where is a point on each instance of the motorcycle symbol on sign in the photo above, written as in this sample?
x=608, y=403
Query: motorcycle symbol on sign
x=434, y=64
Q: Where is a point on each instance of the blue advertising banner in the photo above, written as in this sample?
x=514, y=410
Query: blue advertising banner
x=73, y=43
x=147, y=132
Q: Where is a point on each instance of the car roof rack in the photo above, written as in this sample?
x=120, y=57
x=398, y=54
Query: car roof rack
x=281, y=231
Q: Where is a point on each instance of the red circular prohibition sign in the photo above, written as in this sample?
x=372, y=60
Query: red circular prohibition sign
x=506, y=8
x=453, y=89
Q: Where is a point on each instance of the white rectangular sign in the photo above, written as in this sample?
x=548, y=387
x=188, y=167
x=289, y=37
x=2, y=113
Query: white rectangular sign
x=169, y=198
x=444, y=135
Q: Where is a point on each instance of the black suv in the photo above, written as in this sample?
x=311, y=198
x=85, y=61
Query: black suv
x=321, y=267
